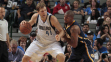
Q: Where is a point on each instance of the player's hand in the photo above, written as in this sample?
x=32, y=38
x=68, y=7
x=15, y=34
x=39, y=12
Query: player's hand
x=57, y=37
x=23, y=22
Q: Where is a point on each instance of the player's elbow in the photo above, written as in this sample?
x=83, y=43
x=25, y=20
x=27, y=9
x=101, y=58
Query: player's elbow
x=74, y=46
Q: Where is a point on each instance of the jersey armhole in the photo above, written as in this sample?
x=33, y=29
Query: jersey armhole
x=36, y=21
x=50, y=22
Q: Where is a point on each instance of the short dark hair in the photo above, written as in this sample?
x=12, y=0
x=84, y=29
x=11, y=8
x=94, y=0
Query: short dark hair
x=99, y=41
x=70, y=13
x=86, y=24
x=40, y=5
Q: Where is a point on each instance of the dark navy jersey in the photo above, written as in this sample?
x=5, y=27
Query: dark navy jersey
x=82, y=40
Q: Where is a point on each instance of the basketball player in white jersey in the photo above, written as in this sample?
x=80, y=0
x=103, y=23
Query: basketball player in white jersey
x=46, y=40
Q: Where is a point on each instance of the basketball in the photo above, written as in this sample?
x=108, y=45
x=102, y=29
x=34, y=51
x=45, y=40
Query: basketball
x=26, y=28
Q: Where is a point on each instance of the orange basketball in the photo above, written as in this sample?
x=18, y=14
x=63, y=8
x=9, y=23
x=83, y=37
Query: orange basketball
x=26, y=28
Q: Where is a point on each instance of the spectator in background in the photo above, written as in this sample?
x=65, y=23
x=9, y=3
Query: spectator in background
x=105, y=6
x=94, y=17
x=4, y=3
x=85, y=29
x=88, y=10
x=90, y=37
x=1, y=1
x=100, y=21
x=22, y=43
x=109, y=11
x=58, y=2
x=108, y=58
x=98, y=45
x=108, y=46
x=76, y=8
x=16, y=54
x=67, y=52
x=104, y=35
x=61, y=8
x=105, y=23
x=88, y=4
x=32, y=37
x=25, y=10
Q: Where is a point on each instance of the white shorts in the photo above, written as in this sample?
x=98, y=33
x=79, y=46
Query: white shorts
x=36, y=52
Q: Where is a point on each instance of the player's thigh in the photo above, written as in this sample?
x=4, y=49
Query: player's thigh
x=88, y=55
x=33, y=48
x=55, y=49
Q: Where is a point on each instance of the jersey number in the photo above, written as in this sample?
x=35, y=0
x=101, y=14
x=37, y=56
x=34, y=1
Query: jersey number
x=47, y=32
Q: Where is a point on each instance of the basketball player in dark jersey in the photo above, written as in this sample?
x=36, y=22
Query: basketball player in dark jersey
x=81, y=46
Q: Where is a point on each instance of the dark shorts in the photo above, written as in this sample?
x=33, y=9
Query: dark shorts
x=3, y=52
x=86, y=53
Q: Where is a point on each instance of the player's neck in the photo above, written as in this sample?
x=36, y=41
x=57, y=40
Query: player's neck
x=43, y=19
x=69, y=24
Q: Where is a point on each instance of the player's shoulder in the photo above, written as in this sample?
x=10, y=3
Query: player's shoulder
x=53, y=17
x=75, y=27
x=35, y=15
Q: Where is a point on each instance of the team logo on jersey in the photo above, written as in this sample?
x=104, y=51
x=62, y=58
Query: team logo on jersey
x=92, y=55
x=44, y=27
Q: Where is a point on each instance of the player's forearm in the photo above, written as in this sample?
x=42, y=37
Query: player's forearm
x=68, y=40
x=62, y=33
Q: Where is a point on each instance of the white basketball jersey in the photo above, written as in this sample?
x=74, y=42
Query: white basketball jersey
x=45, y=34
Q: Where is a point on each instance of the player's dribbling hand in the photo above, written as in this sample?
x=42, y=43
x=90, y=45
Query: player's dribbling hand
x=57, y=37
x=23, y=22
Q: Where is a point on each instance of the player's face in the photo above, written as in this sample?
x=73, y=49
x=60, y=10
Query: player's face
x=67, y=19
x=43, y=12
x=22, y=44
x=2, y=13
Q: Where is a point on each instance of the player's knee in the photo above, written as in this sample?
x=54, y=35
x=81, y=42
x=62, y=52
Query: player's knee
x=26, y=58
x=61, y=56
